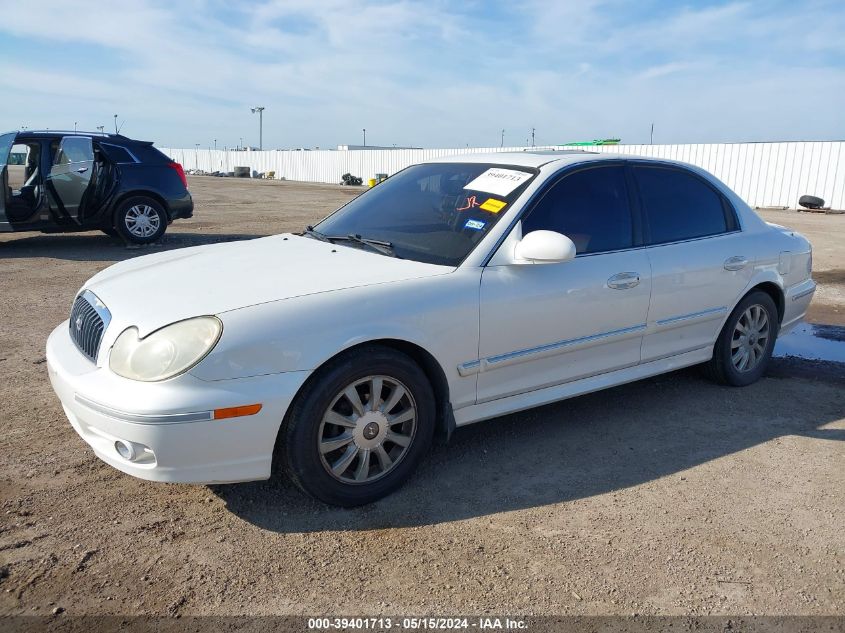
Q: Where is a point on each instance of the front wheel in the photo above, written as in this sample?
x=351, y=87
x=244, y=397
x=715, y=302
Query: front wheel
x=359, y=428
x=745, y=343
x=140, y=220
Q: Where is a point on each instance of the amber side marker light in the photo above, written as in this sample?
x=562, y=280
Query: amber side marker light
x=236, y=412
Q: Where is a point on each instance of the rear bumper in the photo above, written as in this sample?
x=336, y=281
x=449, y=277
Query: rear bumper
x=181, y=207
x=168, y=424
x=796, y=302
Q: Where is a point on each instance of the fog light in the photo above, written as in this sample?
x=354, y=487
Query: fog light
x=125, y=449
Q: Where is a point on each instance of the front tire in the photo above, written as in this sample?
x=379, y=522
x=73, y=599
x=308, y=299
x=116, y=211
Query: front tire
x=746, y=342
x=140, y=220
x=359, y=428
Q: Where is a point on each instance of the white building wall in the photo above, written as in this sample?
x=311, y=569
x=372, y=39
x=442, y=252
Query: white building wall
x=763, y=174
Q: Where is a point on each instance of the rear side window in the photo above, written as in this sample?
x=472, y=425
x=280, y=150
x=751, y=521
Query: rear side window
x=590, y=207
x=74, y=149
x=678, y=205
x=116, y=154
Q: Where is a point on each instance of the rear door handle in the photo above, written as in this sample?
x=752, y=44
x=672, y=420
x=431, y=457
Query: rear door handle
x=624, y=281
x=737, y=262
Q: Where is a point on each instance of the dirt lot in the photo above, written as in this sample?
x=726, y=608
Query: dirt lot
x=668, y=496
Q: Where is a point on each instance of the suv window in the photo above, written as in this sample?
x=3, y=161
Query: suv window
x=590, y=207
x=678, y=205
x=74, y=149
x=116, y=153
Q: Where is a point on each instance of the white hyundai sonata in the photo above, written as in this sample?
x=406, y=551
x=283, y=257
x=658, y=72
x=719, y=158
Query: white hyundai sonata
x=456, y=291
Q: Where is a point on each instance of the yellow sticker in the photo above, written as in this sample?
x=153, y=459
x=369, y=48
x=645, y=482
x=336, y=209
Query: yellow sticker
x=493, y=206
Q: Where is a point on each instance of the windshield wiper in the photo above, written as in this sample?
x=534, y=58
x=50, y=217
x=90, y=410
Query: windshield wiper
x=310, y=231
x=380, y=246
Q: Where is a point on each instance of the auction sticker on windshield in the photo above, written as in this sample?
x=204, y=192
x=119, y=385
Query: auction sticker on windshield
x=498, y=181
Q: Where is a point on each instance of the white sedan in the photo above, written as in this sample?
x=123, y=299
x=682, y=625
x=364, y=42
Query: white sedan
x=457, y=291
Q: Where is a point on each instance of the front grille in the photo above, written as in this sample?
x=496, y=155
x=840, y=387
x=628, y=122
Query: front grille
x=88, y=320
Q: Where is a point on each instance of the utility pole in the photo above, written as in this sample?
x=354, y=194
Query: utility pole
x=260, y=110
x=503, y=138
x=365, y=136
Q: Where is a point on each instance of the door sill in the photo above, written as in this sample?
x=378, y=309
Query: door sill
x=530, y=399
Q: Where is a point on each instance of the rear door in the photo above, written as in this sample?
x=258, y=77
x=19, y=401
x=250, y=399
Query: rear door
x=6, y=142
x=70, y=176
x=700, y=259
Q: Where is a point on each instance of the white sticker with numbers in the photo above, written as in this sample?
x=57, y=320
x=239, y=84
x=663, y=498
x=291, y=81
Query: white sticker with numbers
x=498, y=181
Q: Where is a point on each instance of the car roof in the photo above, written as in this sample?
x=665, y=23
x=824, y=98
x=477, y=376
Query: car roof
x=103, y=136
x=534, y=159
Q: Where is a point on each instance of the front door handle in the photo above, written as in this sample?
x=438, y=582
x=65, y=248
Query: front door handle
x=82, y=170
x=737, y=262
x=624, y=281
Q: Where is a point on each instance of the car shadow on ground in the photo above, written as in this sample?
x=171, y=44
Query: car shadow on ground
x=586, y=446
x=87, y=247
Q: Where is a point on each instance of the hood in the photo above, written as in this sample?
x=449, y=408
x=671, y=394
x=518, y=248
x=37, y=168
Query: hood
x=159, y=289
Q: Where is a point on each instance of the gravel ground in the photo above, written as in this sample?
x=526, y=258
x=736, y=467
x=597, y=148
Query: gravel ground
x=668, y=496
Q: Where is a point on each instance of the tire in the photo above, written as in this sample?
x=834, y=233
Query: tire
x=811, y=202
x=733, y=348
x=307, y=428
x=140, y=220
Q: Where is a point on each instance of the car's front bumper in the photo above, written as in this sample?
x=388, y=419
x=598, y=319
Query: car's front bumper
x=169, y=422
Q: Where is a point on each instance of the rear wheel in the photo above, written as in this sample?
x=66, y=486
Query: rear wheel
x=359, y=428
x=745, y=344
x=140, y=220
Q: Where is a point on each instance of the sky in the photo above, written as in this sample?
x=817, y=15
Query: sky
x=427, y=73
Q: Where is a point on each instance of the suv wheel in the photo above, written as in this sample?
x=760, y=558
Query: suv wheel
x=140, y=220
x=745, y=343
x=359, y=428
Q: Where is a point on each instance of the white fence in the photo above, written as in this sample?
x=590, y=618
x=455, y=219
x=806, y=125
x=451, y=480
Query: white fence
x=764, y=174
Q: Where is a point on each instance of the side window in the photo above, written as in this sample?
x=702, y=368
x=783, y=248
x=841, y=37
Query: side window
x=116, y=153
x=678, y=205
x=590, y=207
x=74, y=149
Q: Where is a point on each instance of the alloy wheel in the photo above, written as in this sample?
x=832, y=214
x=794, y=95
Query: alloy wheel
x=367, y=429
x=750, y=337
x=142, y=220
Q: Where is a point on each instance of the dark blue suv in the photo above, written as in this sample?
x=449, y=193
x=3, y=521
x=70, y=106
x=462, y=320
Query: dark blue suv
x=81, y=181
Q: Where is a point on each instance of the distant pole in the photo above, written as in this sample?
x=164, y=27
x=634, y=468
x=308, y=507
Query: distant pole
x=197, y=155
x=652, y=133
x=75, y=123
x=532, y=137
x=503, y=138
x=260, y=110
x=115, y=124
x=215, y=145
x=241, y=146
x=101, y=128
x=365, y=136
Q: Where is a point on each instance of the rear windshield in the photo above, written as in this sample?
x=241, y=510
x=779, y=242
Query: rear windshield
x=434, y=213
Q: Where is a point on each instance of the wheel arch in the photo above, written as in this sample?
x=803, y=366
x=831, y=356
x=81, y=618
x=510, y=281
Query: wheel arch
x=427, y=362
x=774, y=291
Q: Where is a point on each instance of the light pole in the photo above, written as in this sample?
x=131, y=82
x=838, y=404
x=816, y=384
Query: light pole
x=260, y=110
x=241, y=146
x=101, y=128
x=197, y=155
x=503, y=138
x=532, y=137
x=215, y=145
x=365, y=136
x=75, y=123
x=115, y=124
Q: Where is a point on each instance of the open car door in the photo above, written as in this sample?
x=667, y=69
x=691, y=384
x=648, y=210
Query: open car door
x=70, y=176
x=6, y=142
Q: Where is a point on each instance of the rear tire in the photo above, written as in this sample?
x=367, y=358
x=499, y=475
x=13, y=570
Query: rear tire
x=140, y=220
x=745, y=344
x=347, y=451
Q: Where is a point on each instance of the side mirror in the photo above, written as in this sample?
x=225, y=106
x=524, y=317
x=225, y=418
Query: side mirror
x=544, y=247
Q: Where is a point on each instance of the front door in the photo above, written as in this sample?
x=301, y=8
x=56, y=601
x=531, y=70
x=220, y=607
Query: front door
x=547, y=324
x=6, y=142
x=70, y=176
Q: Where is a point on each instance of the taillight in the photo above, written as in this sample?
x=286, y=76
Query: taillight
x=181, y=172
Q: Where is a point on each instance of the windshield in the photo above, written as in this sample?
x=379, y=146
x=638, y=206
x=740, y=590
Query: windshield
x=434, y=213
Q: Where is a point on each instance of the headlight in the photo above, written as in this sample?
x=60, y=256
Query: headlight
x=172, y=350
